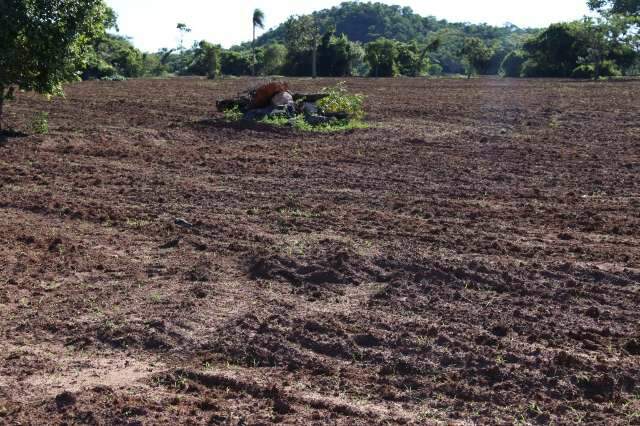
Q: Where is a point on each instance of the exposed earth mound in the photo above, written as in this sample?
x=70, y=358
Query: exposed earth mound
x=472, y=258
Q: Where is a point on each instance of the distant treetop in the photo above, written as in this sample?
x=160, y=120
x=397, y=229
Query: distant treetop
x=628, y=7
x=365, y=22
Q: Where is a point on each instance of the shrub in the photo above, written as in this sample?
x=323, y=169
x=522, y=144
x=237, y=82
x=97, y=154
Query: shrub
x=233, y=114
x=206, y=60
x=40, y=123
x=512, y=64
x=382, y=56
x=609, y=69
x=434, y=69
x=115, y=77
x=531, y=68
x=583, y=71
x=235, y=63
x=340, y=101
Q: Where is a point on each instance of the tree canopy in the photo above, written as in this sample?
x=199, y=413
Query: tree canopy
x=258, y=22
x=354, y=38
x=364, y=22
x=476, y=55
x=45, y=43
x=629, y=7
x=362, y=38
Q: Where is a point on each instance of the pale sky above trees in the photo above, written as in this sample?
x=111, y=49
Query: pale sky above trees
x=152, y=23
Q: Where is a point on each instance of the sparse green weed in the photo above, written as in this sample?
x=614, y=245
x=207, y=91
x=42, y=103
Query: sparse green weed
x=40, y=123
x=233, y=114
x=339, y=100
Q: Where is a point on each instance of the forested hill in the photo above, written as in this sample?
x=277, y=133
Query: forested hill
x=365, y=22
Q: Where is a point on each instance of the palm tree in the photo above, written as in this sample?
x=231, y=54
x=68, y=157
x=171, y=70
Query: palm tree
x=258, y=22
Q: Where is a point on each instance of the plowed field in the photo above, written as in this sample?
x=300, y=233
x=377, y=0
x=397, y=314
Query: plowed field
x=472, y=258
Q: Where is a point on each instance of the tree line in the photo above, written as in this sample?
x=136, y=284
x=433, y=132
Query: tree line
x=374, y=39
x=44, y=44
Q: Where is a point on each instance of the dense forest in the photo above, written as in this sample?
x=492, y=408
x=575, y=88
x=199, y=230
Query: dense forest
x=374, y=39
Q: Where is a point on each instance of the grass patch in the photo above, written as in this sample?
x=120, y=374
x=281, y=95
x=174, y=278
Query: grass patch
x=233, y=114
x=40, y=123
x=299, y=123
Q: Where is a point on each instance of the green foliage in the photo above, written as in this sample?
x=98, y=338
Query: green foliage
x=299, y=123
x=235, y=63
x=279, y=120
x=307, y=46
x=40, y=123
x=183, y=29
x=512, y=64
x=434, y=69
x=366, y=22
x=607, y=69
x=476, y=55
x=153, y=66
x=410, y=60
x=336, y=56
x=336, y=126
x=554, y=52
x=258, y=22
x=339, y=100
x=562, y=49
x=388, y=58
x=111, y=55
x=115, y=77
x=381, y=56
x=629, y=7
x=359, y=65
x=583, y=71
x=274, y=57
x=233, y=114
x=612, y=38
x=302, y=38
x=258, y=18
x=206, y=60
x=302, y=33
x=44, y=43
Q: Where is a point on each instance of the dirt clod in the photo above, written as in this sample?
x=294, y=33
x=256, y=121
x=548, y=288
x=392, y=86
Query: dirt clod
x=431, y=269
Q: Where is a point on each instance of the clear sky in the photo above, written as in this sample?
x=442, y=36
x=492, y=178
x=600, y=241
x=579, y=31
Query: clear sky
x=152, y=23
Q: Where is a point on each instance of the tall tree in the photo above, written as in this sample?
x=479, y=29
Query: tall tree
x=206, y=60
x=275, y=55
x=44, y=43
x=303, y=34
x=476, y=55
x=258, y=22
x=626, y=7
x=184, y=30
x=382, y=56
x=606, y=37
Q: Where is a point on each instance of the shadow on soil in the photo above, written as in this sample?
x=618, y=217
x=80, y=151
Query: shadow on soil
x=217, y=123
x=7, y=135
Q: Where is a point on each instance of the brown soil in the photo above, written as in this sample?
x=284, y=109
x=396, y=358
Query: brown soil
x=474, y=257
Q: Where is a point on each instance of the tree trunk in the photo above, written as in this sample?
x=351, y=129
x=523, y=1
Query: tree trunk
x=1, y=105
x=314, y=61
x=597, y=68
x=253, y=49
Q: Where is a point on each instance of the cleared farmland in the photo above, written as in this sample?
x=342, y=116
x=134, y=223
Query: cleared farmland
x=474, y=256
